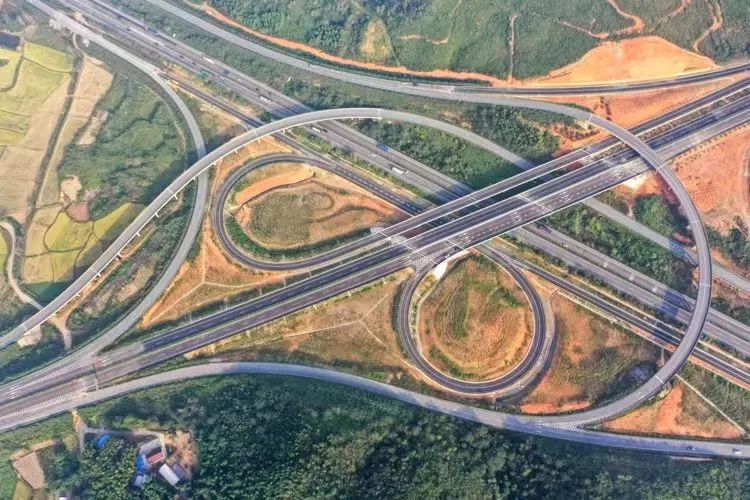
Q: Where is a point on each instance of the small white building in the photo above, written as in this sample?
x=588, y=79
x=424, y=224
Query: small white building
x=168, y=474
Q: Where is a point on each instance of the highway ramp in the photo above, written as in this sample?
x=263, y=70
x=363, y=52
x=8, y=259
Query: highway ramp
x=518, y=423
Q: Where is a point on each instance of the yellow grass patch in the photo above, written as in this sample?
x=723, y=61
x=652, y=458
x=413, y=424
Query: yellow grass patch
x=4, y=251
x=37, y=269
x=63, y=265
x=35, y=240
x=48, y=57
x=209, y=278
x=111, y=225
x=9, y=136
x=376, y=44
x=46, y=216
x=67, y=234
x=20, y=163
x=93, y=82
x=319, y=209
x=352, y=332
x=34, y=85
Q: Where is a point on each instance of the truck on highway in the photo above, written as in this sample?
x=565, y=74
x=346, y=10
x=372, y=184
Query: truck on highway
x=397, y=171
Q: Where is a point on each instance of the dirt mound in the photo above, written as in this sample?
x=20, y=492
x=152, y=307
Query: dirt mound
x=642, y=58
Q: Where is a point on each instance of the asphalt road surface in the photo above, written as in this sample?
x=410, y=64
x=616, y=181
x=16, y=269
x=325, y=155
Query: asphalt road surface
x=418, y=174
x=518, y=423
x=433, y=245
x=692, y=334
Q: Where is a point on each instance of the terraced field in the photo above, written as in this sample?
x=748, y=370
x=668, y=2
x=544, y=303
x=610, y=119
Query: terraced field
x=57, y=250
x=34, y=85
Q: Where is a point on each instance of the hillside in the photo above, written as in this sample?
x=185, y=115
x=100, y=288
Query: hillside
x=490, y=41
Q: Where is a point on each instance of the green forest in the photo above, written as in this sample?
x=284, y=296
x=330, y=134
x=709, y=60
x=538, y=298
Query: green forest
x=270, y=437
x=449, y=34
x=136, y=153
x=618, y=242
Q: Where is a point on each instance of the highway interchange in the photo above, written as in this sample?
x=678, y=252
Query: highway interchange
x=434, y=243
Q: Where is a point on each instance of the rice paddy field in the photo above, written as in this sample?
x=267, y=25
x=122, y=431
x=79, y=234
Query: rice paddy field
x=33, y=91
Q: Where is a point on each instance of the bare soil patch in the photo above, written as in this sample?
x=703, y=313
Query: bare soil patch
x=716, y=175
x=642, y=58
x=592, y=360
x=680, y=413
x=208, y=278
x=352, y=332
x=184, y=452
x=268, y=178
x=629, y=110
x=476, y=321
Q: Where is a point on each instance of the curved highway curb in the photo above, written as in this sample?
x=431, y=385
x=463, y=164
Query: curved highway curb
x=120, y=243
x=217, y=218
x=518, y=423
x=650, y=388
x=524, y=373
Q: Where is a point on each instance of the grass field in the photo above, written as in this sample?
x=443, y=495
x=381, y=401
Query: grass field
x=124, y=283
x=9, y=61
x=111, y=225
x=58, y=246
x=10, y=306
x=65, y=234
x=298, y=215
x=353, y=332
x=47, y=57
x=454, y=157
x=475, y=322
x=425, y=35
